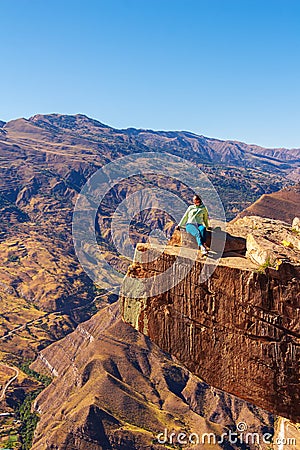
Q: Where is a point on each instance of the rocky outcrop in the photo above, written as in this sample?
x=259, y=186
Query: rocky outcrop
x=239, y=330
x=269, y=242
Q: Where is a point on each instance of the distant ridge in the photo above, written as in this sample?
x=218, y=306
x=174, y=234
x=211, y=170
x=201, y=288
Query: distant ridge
x=70, y=122
x=78, y=120
x=282, y=205
x=241, y=173
x=211, y=149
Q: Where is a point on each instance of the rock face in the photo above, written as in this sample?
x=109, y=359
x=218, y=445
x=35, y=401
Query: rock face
x=239, y=330
x=115, y=389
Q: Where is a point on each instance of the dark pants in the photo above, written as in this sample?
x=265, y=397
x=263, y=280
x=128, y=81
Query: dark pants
x=198, y=231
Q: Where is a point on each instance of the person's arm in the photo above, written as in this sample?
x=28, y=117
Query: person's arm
x=205, y=217
x=184, y=218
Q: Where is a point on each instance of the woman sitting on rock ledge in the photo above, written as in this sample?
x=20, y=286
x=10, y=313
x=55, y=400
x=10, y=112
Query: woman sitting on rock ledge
x=195, y=220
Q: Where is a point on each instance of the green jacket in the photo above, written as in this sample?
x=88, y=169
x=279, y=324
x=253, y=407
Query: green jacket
x=195, y=214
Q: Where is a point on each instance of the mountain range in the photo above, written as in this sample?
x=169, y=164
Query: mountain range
x=45, y=293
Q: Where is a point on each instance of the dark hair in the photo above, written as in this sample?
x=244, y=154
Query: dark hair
x=197, y=197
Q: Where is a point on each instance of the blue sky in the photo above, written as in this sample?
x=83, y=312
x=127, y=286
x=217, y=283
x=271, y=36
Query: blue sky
x=228, y=69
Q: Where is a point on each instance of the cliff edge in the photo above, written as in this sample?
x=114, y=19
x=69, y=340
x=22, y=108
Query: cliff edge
x=238, y=330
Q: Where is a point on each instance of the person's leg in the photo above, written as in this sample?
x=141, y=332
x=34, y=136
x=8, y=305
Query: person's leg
x=194, y=231
x=202, y=231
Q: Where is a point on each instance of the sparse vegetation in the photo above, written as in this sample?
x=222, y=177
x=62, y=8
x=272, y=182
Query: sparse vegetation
x=23, y=412
x=44, y=379
x=13, y=258
x=11, y=442
x=262, y=268
x=29, y=420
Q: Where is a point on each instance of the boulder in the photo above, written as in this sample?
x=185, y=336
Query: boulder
x=296, y=224
x=231, y=243
x=269, y=241
x=260, y=251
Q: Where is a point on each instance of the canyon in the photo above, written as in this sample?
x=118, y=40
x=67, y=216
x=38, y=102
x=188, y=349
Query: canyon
x=51, y=310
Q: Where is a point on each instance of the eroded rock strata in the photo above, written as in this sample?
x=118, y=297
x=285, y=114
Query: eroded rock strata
x=281, y=205
x=239, y=330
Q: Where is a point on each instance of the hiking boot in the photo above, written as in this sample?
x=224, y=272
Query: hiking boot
x=203, y=250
